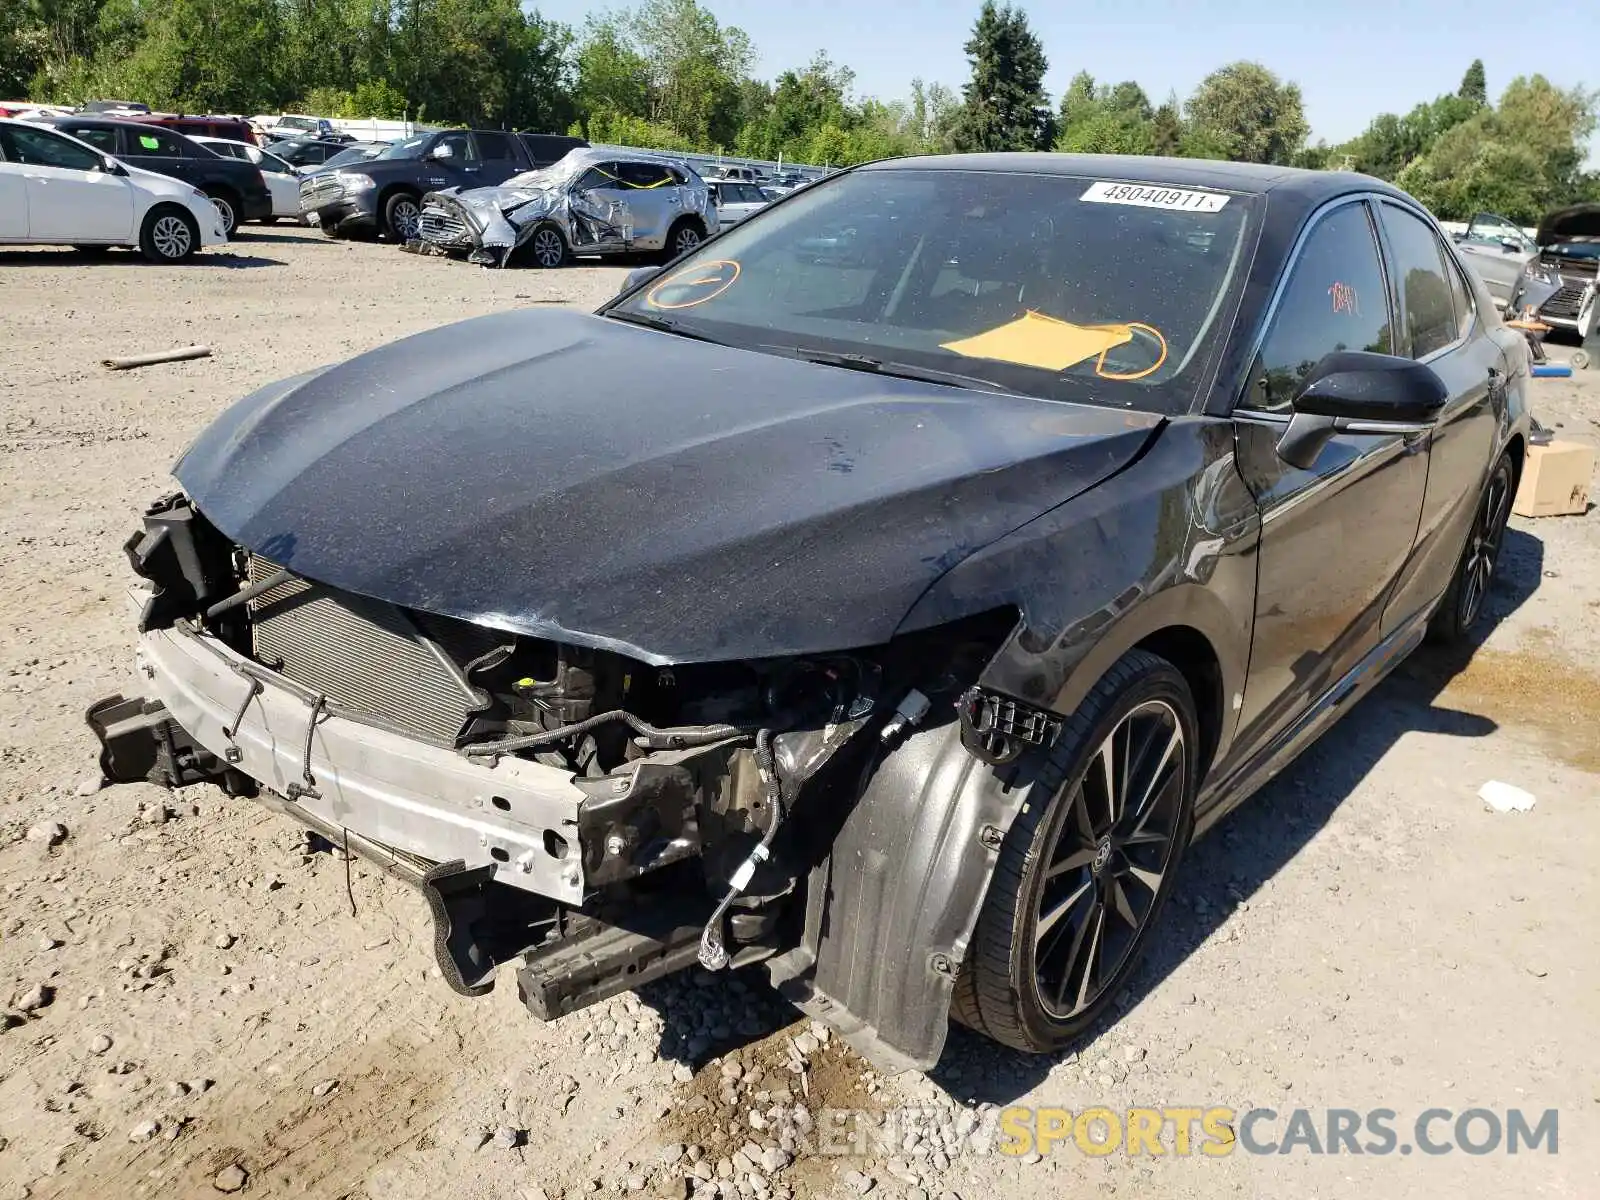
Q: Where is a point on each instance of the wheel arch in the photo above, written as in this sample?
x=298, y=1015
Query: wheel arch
x=1518, y=451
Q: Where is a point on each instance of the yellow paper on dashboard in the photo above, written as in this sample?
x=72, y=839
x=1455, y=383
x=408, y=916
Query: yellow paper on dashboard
x=1037, y=340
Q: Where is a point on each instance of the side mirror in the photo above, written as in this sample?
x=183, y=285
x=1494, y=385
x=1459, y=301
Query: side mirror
x=112, y=167
x=1511, y=246
x=637, y=276
x=443, y=151
x=1356, y=391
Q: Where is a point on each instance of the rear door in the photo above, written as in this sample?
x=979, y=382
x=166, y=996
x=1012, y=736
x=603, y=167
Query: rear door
x=160, y=150
x=651, y=194
x=497, y=157
x=1441, y=326
x=1336, y=538
x=70, y=198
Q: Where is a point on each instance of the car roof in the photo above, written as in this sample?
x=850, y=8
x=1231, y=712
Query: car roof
x=1292, y=193
x=95, y=121
x=1262, y=178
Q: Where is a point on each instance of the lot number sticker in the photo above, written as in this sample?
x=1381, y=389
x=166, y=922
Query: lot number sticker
x=1145, y=196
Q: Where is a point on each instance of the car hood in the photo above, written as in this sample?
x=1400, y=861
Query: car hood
x=484, y=202
x=574, y=477
x=1571, y=223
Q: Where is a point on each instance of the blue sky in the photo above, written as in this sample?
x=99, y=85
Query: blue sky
x=1347, y=70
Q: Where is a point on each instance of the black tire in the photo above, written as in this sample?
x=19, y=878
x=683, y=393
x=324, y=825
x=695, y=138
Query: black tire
x=1094, y=867
x=162, y=241
x=227, y=205
x=546, y=247
x=402, y=213
x=684, y=237
x=269, y=220
x=1462, y=606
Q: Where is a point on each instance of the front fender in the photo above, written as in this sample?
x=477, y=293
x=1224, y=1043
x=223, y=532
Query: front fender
x=889, y=913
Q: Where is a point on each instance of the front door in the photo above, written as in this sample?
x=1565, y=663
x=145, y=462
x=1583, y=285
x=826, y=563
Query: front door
x=1334, y=538
x=454, y=161
x=71, y=198
x=13, y=197
x=1442, y=327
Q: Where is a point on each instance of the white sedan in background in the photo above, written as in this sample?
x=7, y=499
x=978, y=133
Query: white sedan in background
x=282, y=179
x=58, y=191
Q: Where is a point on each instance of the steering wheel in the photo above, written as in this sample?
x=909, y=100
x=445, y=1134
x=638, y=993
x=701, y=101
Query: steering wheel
x=1151, y=341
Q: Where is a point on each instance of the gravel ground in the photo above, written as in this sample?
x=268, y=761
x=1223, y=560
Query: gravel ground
x=191, y=1009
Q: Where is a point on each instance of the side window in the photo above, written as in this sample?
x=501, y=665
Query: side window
x=35, y=147
x=494, y=145
x=1426, y=303
x=1335, y=299
x=152, y=143
x=643, y=174
x=462, y=145
x=595, y=178
x=1461, y=291
x=103, y=139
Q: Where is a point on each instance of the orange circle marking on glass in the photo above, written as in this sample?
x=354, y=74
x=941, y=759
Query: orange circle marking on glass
x=1099, y=366
x=706, y=274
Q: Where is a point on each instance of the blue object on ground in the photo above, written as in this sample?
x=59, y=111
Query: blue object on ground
x=1551, y=371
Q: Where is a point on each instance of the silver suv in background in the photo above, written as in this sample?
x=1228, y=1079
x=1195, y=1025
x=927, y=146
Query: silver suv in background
x=591, y=202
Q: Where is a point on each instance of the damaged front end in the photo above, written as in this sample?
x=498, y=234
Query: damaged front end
x=595, y=820
x=491, y=224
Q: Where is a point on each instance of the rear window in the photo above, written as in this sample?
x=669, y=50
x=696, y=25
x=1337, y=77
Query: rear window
x=1061, y=286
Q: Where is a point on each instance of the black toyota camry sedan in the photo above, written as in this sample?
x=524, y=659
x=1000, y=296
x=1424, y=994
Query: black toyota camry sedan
x=881, y=596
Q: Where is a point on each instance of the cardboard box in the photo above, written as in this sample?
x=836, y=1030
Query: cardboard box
x=1555, y=480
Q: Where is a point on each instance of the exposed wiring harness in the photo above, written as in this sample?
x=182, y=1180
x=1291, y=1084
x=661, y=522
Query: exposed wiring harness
x=675, y=737
x=713, y=951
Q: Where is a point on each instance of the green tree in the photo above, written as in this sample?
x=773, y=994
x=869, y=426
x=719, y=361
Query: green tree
x=1166, y=129
x=694, y=66
x=1080, y=101
x=1474, y=87
x=1004, y=105
x=197, y=57
x=1245, y=111
x=611, y=73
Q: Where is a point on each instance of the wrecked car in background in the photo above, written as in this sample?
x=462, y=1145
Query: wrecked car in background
x=1568, y=261
x=591, y=202
x=1497, y=249
x=1005, y=522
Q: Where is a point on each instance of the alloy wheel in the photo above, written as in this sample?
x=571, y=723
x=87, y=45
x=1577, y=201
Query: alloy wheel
x=1112, y=848
x=687, y=239
x=407, y=219
x=171, y=237
x=1483, y=544
x=225, y=211
x=547, y=248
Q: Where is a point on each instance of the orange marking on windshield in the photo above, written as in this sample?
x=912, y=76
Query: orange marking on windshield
x=717, y=268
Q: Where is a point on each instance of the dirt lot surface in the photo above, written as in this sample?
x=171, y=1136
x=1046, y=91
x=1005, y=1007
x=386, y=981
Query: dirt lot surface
x=194, y=1010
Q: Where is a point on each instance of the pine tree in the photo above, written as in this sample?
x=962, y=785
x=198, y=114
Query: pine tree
x=1474, y=87
x=1004, y=103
